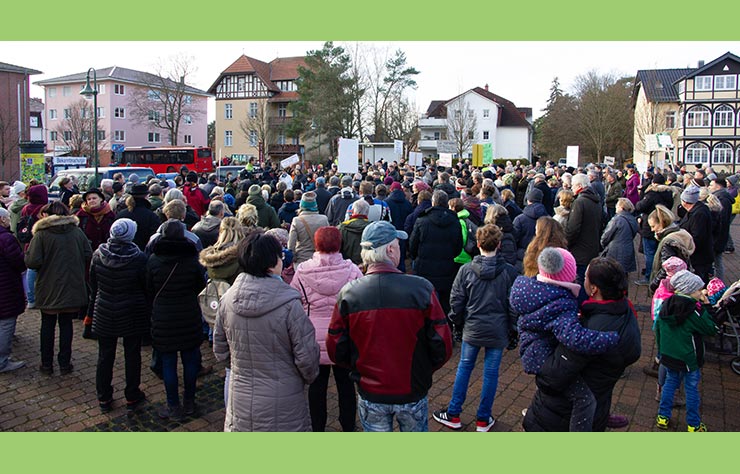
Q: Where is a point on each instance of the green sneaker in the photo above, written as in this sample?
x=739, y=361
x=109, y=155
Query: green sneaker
x=696, y=429
x=662, y=422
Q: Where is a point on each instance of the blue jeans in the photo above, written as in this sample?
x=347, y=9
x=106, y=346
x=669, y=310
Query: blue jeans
x=31, y=282
x=379, y=416
x=7, y=329
x=649, y=246
x=190, y=367
x=468, y=356
x=673, y=380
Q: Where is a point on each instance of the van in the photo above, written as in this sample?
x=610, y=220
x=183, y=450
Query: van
x=85, y=176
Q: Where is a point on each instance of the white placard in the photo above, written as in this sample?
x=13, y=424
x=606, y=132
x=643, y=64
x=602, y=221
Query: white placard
x=289, y=161
x=571, y=156
x=609, y=160
x=416, y=158
x=398, y=147
x=348, y=152
x=651, y=143
x=446, y=146
x=664, y=140
x=445, y=159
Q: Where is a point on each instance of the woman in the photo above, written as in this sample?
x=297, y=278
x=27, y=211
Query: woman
x=66, y=190
x=174, y=278
x=95, y=217
x=248, y=217
x=672, y=242
x=38, y=197
x=498, y=216
x=562, y=212
x=11, y=291
x=305, y=224
x=508, y=200
x=318, y=281
x=548, y=233
x=607, y=309
x=655, y=192
x=262, y=329
x=619, y=235
x=59, y=251
x=120, y=308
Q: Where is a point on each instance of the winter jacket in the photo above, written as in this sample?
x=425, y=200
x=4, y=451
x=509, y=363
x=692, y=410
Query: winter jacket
x=698, y=223
x=301, y=234
x=681, y=323
x=547, y=197
x=614, y=191
x=338, y=204
x=59, y=251
x=262, y=329
x=95, y=223
x=390, y=330
x=66, y=194
x=548, y=314
x=318, y=281
x=507, y=249
x=618, y=240
x=724, y=231
x=196, y=198
x=322, y=198
x=524, y=226
x=673, y=242
x=449, y=188
x=584, y=227
x=598, y=187
x=479, y=301
x=288, y=211
x=266, y=215
x=379, y=210
x=207, y=230
x=119, y=303
x=550, y=410
x=513, y=209
x=15, y=213
x=147, y=222
x=562, y=215
x=222, y=263
x=521, y=191
x=467, y=231
x=11, y=281
x=156, y=202
x=277, y=200
x=632, y=188
x=400, y=208
x=351, y=237
x=408, y=226
x=654, y=194
x=433, y=245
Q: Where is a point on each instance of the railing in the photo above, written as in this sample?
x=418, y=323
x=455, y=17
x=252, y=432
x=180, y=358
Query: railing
x=287, y=150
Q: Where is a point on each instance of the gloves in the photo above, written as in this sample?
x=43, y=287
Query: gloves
x=513, y=340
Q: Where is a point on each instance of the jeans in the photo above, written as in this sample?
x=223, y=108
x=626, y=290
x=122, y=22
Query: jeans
x=7, y=329
x=190, y=367
x=731, y=243
x=132, y=364
x=31, y=283
x=584, y=406
x=649, y=246
x=48, y=328
x=673, y=380
x=345, y=393
x=468, y=356
x=379, y=416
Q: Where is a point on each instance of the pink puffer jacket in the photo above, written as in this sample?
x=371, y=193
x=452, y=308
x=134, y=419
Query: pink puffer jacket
x=322, y=277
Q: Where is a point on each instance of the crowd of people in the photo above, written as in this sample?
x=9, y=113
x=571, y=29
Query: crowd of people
x=373, y=276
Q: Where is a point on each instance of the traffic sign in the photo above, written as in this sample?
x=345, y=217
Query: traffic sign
x=116, y=148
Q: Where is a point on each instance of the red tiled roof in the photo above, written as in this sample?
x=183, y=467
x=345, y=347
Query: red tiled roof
x=276, y=70
x=510, y=115
x=284, y=69
x=285, y=96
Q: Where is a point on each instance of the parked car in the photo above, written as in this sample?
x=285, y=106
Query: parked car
x=85, y=176
x=222, y=170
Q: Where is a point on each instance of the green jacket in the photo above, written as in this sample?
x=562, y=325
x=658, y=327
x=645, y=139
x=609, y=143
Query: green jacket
x=467, y=231
x=266, y=215
x=679, y=331
x=156, y=202
x=15, y=213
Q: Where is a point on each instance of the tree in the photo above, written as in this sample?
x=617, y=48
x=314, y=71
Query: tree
x=259, y=123
x=555, y=130
x=388, y=93
x=75, y=129
x=8, y=136
x=649, y=118
x=211, y=135
x=461, y=126
x=165, y=99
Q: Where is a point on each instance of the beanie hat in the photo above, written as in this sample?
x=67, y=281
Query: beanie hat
x=395, y=186
x=690, y=195
x=133, y=178
x=308, y=202
x=558, y=267
x=123, y=229
x=715, y=286
x=191, y=177
x=673, y=265
x=388, y=180
x=535, y=195
x=171, y=184
x=18, y=187
x=255, y=190
x=686, y=283
x=732, y=179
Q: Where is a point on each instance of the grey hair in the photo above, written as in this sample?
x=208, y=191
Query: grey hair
x=440, y=198
x=172, y=195
x=4, y=213
x=580, y=180
x=625, y=205
x=215, y=208
x=376, y=255
x=360, y=207
x=107, y=182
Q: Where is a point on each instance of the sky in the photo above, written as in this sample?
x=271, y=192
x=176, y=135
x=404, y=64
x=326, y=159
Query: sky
x=521, y=72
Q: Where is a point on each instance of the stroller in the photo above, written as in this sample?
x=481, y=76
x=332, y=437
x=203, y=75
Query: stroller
x=727, y=317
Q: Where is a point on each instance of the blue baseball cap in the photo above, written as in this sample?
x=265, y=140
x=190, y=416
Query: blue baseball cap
x=380, y=233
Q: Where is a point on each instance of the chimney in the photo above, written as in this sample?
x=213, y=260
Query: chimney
x=701, y=63
x=486, y=87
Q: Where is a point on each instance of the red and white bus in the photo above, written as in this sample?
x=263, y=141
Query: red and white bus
x=169, y=159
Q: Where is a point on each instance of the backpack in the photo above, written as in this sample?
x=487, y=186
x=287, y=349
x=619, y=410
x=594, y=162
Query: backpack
x=24, y=230
x=210, y=297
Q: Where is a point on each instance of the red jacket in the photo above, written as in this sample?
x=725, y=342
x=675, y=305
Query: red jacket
x=196, y=198
x=389, y=328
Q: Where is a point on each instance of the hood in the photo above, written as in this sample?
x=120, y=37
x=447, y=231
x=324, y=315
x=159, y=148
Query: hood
x=255, y=296
x=117, y=253
x=562, y=211
x=487, y=268
x=213, y=257
x=210, y=223
x=590, y=194
x=57, y=224
x=326, y=273
x=681, y=238
x=355, y=226
x=675, y=311
x=256, y=200
x=557, y=298
x=659, y=188
x=505, y=224
x=535, y=211
x=396, y=196
x=464, y=214
x=441, y=217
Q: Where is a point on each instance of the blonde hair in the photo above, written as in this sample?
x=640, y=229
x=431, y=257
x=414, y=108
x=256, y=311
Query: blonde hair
x=661, y=216
x=247, y=215
x=230, y=232
x=548, y=233
x=625, y=205
x=493, y=212
x=507, y=194
x=566, y=197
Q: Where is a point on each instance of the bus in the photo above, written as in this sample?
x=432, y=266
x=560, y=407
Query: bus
x=169, y=159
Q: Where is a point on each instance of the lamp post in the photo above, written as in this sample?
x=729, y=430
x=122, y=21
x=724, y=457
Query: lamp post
x=92, y=92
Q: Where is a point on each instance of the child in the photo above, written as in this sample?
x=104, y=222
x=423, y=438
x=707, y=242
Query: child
x=548, y=314
x=684, y=318
x=282, y=236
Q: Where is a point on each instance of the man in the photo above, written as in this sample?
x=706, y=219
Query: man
x=333, y=187
x=155, y=196
x=443, y=183
x=400, y=209
x=379, y=210
x=212, y=183
x=613, y=193
x=540, y=182
x=584, y=226
x=351, y=231
x=207, y=228
x=732, y=181
x=339, y=203
x=526, y=222
x=390, y=330
x=195, y=197
x=322, y=194
x=106, y=185
x=596, y=185
x=718, y=187
x=698, y=223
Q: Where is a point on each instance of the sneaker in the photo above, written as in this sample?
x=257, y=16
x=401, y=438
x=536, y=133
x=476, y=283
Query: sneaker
x=617, y=421
x=188, y=407
x=661, y=422
x=46, y=370
x=67, y=369
x=106, y=406
x=13, y=365
x=483, y=425
x=170, y=413
x=642, y=282
x=697, y=429
x=441, y=416
x=132, y=405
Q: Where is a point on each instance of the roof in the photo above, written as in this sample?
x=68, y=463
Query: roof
x=279, y=69
x=697, y=71
x=510, y=116
x=436, y=108
x=658, y=84
x=5, y=67
x=116, y=73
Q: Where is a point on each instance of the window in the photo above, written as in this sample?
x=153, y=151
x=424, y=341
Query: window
x=67, y=135
x=101, y=112
x=187, y=100
x=724, y=116
x=696, y=153
x=670, y=120
x=101, y=135
x=471, y=135
x=228, y=136
x=153, y=137
x=458, y=114
x=253, y=110
x=436, y=135
x=698, y=117
x=228, y=111
x=52, y=91
x=153, y=116
x=119, y=112
x=66, y=91
x=52, y=114
x=485, y=134
x=281, y=139
x=67, y=113
x=53, y=136
x=152, y=95
x=722, y=154
x=681, y=87
x=703, y=83
x=187, y=119
x=296, y=141
x=252, y=138
x=83, y=112
x=282, y=110
x=486, y=113
x=725, y=83
x=119, y=136
x=85, y=135
x=119, y=89
x=101, y=89
x=188, y=139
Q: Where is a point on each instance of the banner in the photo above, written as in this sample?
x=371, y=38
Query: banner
x=348, y=155
x=445, y=159
x=571, y=156
x=290, y=161
x=487, y=153
x=415, y=158
x=398, y=147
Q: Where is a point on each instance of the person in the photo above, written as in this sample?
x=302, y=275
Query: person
x=96, y=217
x=59, y=252
x=267, y=217
x=607, y=309
x=379, y=209
x=289, y=209
x=562, y=212
x=718, y=188
x=195, y=197
x=423, y=201
x=156, y=198
x=655, y=193
x=66, y=190
x=139, y=210
x=632, y=187
x=698, y=223
x=683, y=319
x=497, y=215
x=479, y=303
x=119, y=308
x=207, y=229
x=547, y=200
x=318, y=281
x=173, y=211
x=351, y=231
x=619, y=235
x=302, y=231
x=38, y=197
x=16, y=207
x=393, y=378
x=262, y=329
x=11, y=292
x=338, y=204
x=524, y=224
x=548, y=233
x=400, y=208
x=468, y=230
x=548, y=314
x=614, y=191
x=584, y=225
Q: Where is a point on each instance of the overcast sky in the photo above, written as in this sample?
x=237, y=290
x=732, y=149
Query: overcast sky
x=519, y=71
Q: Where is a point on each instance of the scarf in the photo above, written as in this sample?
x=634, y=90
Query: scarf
x=98, y=212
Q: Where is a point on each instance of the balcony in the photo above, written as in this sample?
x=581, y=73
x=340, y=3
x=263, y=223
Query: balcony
x=283, y=150
x=433, y=123
x=278, y=121
x=428, y=144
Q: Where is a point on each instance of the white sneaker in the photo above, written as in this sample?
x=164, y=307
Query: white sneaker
x=483, y=426
x=13, y=365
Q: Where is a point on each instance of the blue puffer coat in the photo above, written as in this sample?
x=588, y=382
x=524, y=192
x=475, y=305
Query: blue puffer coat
x=548, y=314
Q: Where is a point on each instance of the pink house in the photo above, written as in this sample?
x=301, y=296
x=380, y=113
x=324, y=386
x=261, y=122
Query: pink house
x=120, y=120
x=15, y=117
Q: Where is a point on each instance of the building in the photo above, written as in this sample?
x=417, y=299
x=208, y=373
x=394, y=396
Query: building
x=252, y=99
x=120, y=120
x=15, y=117
x=496, y=120
x=698, y=107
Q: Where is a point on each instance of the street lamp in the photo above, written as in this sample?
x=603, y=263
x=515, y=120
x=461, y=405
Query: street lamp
x=92, y=93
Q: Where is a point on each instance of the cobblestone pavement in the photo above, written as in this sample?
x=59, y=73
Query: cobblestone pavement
x=30, y=401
